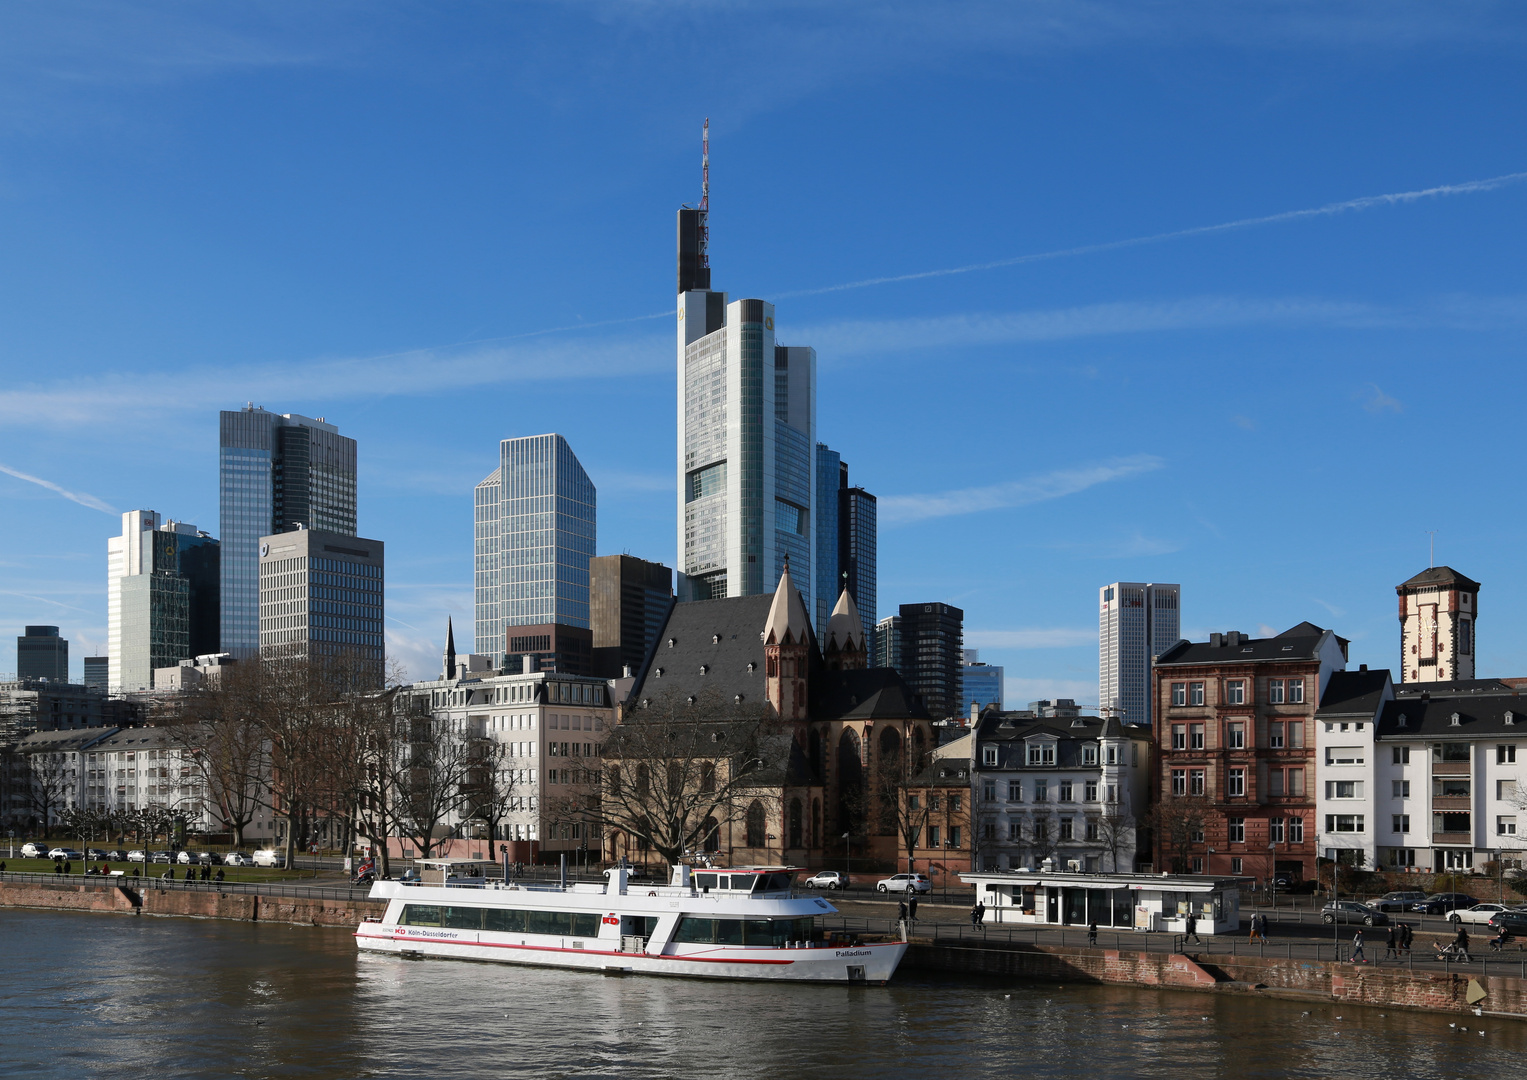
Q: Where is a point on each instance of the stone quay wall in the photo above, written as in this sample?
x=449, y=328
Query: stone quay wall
x=149, y=900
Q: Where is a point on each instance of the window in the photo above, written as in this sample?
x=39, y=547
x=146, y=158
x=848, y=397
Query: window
x=1465, y=640
x=1092, y=829
x=1112, y=793
x=1236, y=829
x=1275, y=830
x=1196, y=833
x=1402, y=755
x=1275, y=691
x=1195, y=693
x=1065, y=791
x=1041, y=791
x=1505, y=790
x=1179, y=736
x=1275, y=782
x=1179, y=781
x=1237, y=783
x=1235, y=865
x=1089, y=754
x=954, y=803
x=1065, y=828
x=1198, y=864
x=1296, y=782
x=1296, y=830
x=1349, y=823
x=912, y=802
x=1344, y=789
x=1236, y=734
x=1235, y=692
x=1401, y=789
x=1450, y=788
x=1015, y=790
x=1015, y=830
x=1505, y=825
x=1444, y=822
x=1195, y=736
x=954, y=836
x=1090, y=791
x=1296, y=691
x=1402, y=823
x=1450, y=751
x=1196, y=782
x=988, y=755
x=1113, y=755
x=1275, y=735
x=933, y=836
x=988, y=791
x=1505, y=755
x=1402, y=857
x=1344, y=755
x=1041, y=753
x=1179, y=693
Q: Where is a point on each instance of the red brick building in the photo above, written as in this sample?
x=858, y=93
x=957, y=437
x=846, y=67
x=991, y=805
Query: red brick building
x=1234, y=791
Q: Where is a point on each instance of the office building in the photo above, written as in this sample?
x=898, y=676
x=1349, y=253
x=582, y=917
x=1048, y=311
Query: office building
x=932, y=643
x=1136, y=622
x=98, y=673
x=858, y=536
x=1438, y=608
x=277, y=472
x=549, y=647
x=832, y=474
x=746, y=438
x=982, y=683
x=534, y=524
x=321, y=596
x=42, y=654
x=162, y=598
x=885, y=645
x=629, y=599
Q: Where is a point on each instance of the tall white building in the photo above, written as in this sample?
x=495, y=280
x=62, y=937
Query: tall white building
x=161, y=598
x=1438, y=609
x=747, y=438
x=1136, y=622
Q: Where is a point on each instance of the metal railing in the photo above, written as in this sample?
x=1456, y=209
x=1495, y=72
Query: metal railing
x=148, y=883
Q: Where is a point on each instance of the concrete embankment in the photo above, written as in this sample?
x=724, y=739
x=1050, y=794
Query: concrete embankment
x=148, y=899
x=1307, y=980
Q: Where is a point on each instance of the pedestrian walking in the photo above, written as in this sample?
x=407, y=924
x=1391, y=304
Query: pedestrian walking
x=1407, y=935
x=1392, y=943
x=1092, y=932
x=977, y=914
x=1358, y=956
x=1192, y=928
x=1461, y=943
x=912, y=907
x=901, y=913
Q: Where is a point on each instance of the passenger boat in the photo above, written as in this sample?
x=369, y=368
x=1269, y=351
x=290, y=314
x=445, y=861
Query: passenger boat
x=737, y=923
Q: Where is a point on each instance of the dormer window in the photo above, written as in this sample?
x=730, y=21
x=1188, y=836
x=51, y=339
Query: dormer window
x=672, y=642
x=1510, y=718
x=658, y=673
x=752, y=667
x=1405, y=721
x=715, y=639
x=704, y=669
x=988, y=755
x=1454, y=721
x=1042, y=753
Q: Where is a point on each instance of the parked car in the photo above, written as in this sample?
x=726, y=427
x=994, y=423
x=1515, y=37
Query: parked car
x=137, y=856
x=1442, y=903
x=115, y=855
x=200, y=858
x=34, y=849
x=161, y=856
x=238, y=858
x=64, y=853
x=1478, y=915
x=905, y=883
x=1397, y=901
x=94, y=854
x=827, y=879
x=1513, y=922
x=1350, y=911
x=269, y=858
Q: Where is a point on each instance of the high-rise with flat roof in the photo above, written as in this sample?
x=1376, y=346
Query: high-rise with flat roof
x=535, y=529
x=832, y=474
x=162, y=598
x=277, y=472
x=747, y=442
x=932, y=645
x=886, y=644
x=321, y=596
x=98, y=672
x=858, y=539
x=628, y=600
x=42, y=654
x=981, y=683
x=1137, y=621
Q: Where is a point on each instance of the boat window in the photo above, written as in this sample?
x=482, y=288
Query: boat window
x=462, y=918
x=504, y=921
x=420, y=915
x=758, y=932
x=771, y=883
x=705, y=881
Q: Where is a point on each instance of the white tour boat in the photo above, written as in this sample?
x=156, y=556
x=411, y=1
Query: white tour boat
x=738, y=923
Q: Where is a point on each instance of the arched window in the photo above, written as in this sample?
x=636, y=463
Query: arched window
x=710, y=839
x=795, y=823
x=756, y=835
x=614, y=775
x=707, y=776
x=643, y=781
x=816, y=823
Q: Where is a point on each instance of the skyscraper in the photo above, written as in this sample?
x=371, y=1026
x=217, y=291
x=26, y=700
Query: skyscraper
x=277, y=472
x=321, y=595
x=858, y=538
x=162, y=598
x=932, y=645
x=886, y=644
x=831, y=475
x=42, y=654
x=629, y=600
x=535, y=528
x=746, y=437
x=1137, y=621
x=982, y=683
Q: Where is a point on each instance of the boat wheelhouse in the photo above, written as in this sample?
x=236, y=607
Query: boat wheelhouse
x=736, y=923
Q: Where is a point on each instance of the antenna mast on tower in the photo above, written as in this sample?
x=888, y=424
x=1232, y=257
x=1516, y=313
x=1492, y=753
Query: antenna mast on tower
x=704, y=219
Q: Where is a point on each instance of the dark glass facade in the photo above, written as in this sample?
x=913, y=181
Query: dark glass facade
x=42, y=654
x=858, y=538
x=932, y=643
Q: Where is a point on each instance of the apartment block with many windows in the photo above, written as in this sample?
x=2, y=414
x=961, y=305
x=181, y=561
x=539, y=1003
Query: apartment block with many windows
x=1234, y=788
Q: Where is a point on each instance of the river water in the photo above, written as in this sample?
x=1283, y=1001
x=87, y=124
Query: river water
x=109, y=995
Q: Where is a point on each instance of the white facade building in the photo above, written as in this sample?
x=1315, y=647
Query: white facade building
x=1137, y=621
x=1438, y=609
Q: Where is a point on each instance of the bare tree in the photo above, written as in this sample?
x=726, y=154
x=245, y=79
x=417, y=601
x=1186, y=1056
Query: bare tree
x=895, y=795
x=680, y=768
x=492, y=788
x=1116, y=829
x=433, y=773
x=50, y=786
x=1178, y=825
x=215, y=729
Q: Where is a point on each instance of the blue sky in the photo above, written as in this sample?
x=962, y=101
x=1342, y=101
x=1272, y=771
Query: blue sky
x=440, y=225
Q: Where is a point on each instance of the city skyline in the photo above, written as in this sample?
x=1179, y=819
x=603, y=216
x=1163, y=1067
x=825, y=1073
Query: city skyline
x=1235, y=275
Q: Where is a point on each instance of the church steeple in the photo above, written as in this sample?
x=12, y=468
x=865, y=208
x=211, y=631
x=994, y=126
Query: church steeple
x=787, y=644
x=450, y=649
x=845, y=648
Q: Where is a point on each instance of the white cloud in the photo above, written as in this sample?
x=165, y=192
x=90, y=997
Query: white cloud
x=73, y=496
x=1034, y=638
x=1376, y=401
x=901, y=509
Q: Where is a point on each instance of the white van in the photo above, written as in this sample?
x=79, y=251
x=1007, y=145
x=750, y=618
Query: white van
x=269, y=858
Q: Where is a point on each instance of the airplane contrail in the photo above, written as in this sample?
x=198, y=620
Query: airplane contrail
x=84, y=500
x=1366, y=202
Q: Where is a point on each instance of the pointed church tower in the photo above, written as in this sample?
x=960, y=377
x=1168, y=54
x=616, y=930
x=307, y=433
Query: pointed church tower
x=787, y=643
x=845, y=649
x=450, y=650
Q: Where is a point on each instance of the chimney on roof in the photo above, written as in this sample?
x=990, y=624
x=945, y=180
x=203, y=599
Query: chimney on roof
x=1216, y=640
x=1234, y=638
x=1362, y=667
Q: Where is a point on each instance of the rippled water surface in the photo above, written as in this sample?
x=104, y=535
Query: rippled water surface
x=98, y=995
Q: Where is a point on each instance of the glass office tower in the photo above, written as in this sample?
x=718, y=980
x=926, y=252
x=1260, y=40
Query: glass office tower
x=162, y=602
x=831, y=475
x=535, y=533
x=42, y=654
x=858, y=537
x=278, y=472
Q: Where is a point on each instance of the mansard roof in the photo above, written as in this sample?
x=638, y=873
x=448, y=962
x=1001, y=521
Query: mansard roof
x=1437, y=576
x=1300, y=642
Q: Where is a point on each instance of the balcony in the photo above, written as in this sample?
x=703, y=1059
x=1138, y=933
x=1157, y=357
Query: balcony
x=1453, y=839
x=1450, y=768
x=1460, y=803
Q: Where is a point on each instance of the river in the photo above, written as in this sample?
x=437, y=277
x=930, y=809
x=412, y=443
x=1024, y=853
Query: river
x=110, y=995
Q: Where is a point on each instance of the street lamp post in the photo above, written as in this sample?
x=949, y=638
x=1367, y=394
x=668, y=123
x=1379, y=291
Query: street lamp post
x=848, y=862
